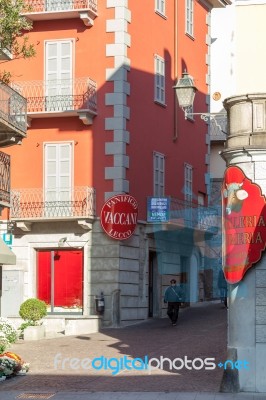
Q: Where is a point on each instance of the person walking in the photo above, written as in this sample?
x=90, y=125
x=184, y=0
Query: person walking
x=173, y=296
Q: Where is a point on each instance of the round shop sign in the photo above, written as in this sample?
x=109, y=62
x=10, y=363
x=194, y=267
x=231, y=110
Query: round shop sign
x=119, y=216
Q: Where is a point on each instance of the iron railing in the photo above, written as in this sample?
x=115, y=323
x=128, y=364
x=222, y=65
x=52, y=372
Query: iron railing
x=13, y=108
x=32, y=6
x=193, y=215
x=61, y=204
x=59, y=95
x=4, y=179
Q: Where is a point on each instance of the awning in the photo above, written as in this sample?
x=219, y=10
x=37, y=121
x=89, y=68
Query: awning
x=6, y=255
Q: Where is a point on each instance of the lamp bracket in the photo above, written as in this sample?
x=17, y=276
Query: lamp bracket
x=218, y=118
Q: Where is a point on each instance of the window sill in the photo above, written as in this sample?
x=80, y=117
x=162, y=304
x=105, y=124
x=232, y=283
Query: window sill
x=160, y=14
x=160, y=104
x=190, y=36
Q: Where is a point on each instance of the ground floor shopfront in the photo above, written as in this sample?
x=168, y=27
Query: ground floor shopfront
x=67, y=266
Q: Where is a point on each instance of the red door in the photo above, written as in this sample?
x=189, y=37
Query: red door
x=60, y=279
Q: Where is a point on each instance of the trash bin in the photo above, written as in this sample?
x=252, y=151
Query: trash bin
x=99, y=304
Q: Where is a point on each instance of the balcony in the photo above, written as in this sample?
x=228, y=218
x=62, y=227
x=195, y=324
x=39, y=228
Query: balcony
x=175, y=214
x=195, y=216
x=60, y=98
x=40, y=10
x=5, y=180
x=35, y=205
x=13, y=116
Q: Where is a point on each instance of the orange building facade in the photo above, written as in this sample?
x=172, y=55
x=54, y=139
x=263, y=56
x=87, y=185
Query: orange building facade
x=103, y=120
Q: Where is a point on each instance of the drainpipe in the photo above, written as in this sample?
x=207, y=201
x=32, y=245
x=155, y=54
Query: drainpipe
x=175, y=70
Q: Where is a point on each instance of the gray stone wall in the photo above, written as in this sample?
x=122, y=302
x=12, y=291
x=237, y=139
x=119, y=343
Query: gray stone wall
x=246, y=148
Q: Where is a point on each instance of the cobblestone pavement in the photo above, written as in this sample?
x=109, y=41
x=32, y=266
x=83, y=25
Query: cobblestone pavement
x=201, y=332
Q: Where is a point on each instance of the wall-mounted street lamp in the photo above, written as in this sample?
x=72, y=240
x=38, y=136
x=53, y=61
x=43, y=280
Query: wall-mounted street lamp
x=185, y=93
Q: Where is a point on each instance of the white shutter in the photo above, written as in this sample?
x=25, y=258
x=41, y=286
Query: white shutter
x=58, y=75
x=51, y=171
x=58, y=177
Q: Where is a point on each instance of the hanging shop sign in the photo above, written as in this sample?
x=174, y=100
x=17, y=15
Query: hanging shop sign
x=244, y=224
x=119, y=216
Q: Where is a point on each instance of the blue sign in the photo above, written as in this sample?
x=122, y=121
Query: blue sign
x=8, y=238
x=158, y=209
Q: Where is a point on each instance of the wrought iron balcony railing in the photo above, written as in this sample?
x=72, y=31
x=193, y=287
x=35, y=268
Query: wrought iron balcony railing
x=13, y=114
x=59, y=96
x=38, y=204
x=59, y=9
x=59, y=5
x=191, y=215
x=4, y=180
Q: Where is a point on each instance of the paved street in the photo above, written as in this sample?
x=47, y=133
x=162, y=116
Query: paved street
x=200, y=333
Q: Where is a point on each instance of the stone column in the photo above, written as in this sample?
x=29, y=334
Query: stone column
x=245, y=147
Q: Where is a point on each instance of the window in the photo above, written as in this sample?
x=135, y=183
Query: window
x=189, y=17
x=201, y=199
x=158, y=174
x=188, y=181
x=58, y=179
x=58, y=76
x=160, y=7
x=159, y=82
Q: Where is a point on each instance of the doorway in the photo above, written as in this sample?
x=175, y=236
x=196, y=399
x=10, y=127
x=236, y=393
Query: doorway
x=60, y=280
x=153, y=286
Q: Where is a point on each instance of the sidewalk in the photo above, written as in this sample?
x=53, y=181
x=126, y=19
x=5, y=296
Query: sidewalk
x=200, y=333
x=133, y=396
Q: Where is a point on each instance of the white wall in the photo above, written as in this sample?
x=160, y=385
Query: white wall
x=222, y=54
x=250, y=48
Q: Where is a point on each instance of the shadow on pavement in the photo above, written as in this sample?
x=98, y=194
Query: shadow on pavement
x=200, y=333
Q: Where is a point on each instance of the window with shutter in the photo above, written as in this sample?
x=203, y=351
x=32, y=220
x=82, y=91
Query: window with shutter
x=58, y=179
x=160, y=7
x=58, y=76
x=190, y=17
x=158, y=174
x=159, y=80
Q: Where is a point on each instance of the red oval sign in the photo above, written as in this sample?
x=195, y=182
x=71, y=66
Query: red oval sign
x=244, y=224
x=119, y=216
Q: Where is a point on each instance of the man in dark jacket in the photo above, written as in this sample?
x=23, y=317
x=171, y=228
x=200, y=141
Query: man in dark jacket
x=173, y=296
